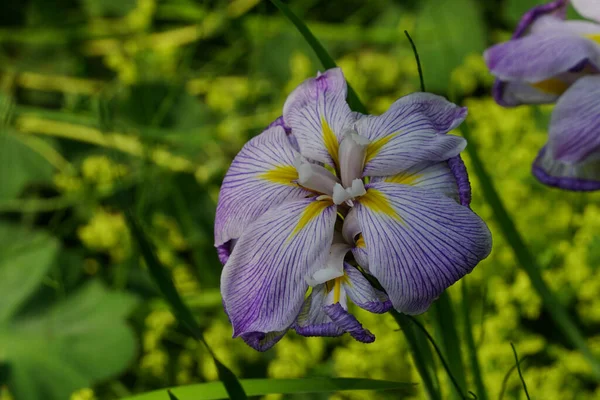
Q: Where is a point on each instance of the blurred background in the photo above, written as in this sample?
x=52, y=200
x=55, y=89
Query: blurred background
x=153, y=99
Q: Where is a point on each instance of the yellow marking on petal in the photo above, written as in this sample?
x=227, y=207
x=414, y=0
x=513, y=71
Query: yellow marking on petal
x=360, y=242
x=594, y=36
x=551, y=86
x=282, y=174
x=376, y=201
x=311, y=211
x=336, y=290
x=403, y=178
x=330, y=140
x=375, y=146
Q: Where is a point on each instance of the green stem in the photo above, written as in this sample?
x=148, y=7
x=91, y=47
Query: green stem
x=467, y=326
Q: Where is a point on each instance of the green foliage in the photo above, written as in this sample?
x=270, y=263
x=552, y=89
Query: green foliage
x=258, y=387
x=52, y=350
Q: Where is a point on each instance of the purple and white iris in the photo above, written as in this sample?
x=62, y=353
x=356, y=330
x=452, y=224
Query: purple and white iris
x=326, y=197
x=552, y=60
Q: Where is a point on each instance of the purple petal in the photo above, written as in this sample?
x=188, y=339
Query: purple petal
x=420, y=242
x=511, y=94
x=261, y=176
x=557, y=9
x=580, y=177
x=412, y=131
x=263, y=283
x=363, y=294
x=313, y=321
x=262, y=341
x=575, y=123
x=458, y=169
x=537, y=57
x=437, y=177
x=348, y=323
x=318, y=113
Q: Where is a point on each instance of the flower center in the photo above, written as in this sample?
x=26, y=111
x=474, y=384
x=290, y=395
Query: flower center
x=351, y=153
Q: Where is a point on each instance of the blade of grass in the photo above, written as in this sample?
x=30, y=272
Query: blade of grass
x=418, y=354
x=166, y=286
x=519, y=369
x=261, y=387
x=446, y=324
x=507, y=376
x=417, y=60
x=319, y=50
x=473, y=360
x=526, y=259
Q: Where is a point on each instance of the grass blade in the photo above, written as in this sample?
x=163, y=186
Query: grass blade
x=261, y=387
x=507, y=376
x=322, y=54
x=519, y=369
x=416, y=349
x=473, y=360
x=165, y=284
x=446, y=324
x=525, y=258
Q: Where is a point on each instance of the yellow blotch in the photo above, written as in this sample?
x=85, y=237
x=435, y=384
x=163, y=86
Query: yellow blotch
x=336, y=290
x=311, y=211
x=360, y=242
x=594, y=36
x=375, y=146
x=552, y=86
x=376, y=201
x=282, y=174
x=403, y=178
x=330, y=140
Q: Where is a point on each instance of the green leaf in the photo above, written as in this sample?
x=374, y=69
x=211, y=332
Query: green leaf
x=108, y=8
x=19, y=166
x=260, y=387
x=53, y=350
x=424, y=364
x=468, y=332
x=319, y=50
x=518, y=363
x=166, y=286
x=445, y=33
x=526, y=259
x=446, y=324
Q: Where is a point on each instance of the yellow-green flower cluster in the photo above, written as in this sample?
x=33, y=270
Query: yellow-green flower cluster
x=107, y=232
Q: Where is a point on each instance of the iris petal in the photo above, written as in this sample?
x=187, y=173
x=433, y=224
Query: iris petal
x=261, y=176
x=263, y=282
x=412, y=131
x=420, y=242
x=318, y=114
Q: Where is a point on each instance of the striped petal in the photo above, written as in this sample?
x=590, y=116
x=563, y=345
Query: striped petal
x=420, y=242
x=571, y=160
x=363, y=294
x=318, y=114
x=313, y=321
x=412, y=131
x=555, y=9
x=261, y=176
x=263, y=283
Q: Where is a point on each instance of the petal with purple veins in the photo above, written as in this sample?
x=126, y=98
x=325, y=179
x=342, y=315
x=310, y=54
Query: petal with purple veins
x=363, y=294
x=412, y=131
x=263, y=283
x=261, y=176
x=318, y=114
x=313, y=321
x=420, y=242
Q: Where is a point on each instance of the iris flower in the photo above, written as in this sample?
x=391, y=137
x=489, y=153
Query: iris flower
x=326, y=199
x=550, y=59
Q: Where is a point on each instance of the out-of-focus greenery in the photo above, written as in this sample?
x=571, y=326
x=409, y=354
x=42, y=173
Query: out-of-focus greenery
x=152, y=99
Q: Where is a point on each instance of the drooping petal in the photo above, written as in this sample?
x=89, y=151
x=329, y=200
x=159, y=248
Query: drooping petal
x=538, y=57
x=348, y=323
x=511, y=94
x=587, y=8
x=571, y=160
x=262, y=341
x=437, y=177
x=261, y=176
x=363, y=294
x=263, y=283
x=412, y=131
x=313, y=321
x=581, y=176
x=318, y=114
x=419, y=242
x=575, y=123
